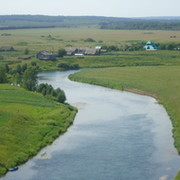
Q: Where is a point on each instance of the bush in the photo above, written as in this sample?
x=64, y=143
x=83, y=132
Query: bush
x=61, y=52
x=67, y=66
x=89, y=40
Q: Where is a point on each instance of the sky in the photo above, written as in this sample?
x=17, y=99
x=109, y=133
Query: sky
x=112, y=8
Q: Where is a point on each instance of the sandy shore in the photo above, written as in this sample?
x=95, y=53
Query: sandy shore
x=136, y=91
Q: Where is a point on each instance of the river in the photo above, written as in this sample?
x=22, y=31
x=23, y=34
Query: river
x=115, y=136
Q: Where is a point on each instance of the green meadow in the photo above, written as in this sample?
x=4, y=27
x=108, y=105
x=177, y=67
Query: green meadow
x=55, y=38
x=28, y=122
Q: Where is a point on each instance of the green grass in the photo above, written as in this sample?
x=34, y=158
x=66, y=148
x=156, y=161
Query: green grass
x=28, y=122
x=121, y=59
x=178, y=176
x=36, y=39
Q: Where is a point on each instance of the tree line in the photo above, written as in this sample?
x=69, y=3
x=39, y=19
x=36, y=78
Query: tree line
x=141, y=25
x=26, y=77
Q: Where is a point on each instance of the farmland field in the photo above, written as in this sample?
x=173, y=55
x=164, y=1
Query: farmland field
x=39, y=39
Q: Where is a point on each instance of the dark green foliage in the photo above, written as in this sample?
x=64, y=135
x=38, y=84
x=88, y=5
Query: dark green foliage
x=18, y=69
x=26, y=51
x=61, y=52
x=29, y=79
x=33, y=63
x=48, y=90
x=3, y=76
x=68, y=66
x=89, y=40
x=5, y=34
x=142, y=25
x=7, y=68
x=16, y=79
x=111, y=48
x=24, y=67
x=61, y=97
x=169, y=46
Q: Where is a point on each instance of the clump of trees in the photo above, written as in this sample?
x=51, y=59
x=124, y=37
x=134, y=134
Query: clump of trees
x=67, y=66
x=137, y=46
x=89, y=40
x=169, y=46
x=26, y=77
x=61, y=52
x=141, y=25
x=49, y=91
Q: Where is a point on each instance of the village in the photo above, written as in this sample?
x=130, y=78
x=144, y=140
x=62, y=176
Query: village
x=73, y=51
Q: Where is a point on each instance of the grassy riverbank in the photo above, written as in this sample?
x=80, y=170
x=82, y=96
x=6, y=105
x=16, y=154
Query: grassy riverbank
x=28, y=122
x=162, y=81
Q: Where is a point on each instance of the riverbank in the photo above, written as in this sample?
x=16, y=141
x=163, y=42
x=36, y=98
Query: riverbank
x=28, y=122
x=136, y=91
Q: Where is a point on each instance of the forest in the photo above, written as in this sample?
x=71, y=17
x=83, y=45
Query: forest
x=42, y=21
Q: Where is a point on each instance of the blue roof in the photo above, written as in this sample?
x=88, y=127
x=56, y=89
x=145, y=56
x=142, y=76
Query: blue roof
x=149, y=43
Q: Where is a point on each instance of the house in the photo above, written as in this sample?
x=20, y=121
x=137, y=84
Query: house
x=6, y=48
x=91, y=51
x=46, y=56
x=82, y=50
x=150, y=46
x=98, y=47
x=70, y=51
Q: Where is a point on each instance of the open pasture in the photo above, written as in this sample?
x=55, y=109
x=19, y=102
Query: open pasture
x=56, y=38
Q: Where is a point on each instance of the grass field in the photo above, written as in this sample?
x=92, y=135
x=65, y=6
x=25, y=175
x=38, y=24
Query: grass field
x=38, y=39
x=28, y=122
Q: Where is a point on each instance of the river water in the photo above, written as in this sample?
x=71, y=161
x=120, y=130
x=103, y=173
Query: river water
x=115, y=136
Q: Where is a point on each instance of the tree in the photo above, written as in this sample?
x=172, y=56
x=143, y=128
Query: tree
x=24, y=67
x=7, y=68
x=29, y=79
x=33, y=63
x=61, y=52
x=61, y=97
x=18, y=69
x=26, y=51
x=3, y=77
x=16, y=79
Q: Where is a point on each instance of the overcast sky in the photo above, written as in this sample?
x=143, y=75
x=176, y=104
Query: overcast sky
x=115, y=8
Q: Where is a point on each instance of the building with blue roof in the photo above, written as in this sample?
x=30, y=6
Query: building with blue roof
x=150, y=46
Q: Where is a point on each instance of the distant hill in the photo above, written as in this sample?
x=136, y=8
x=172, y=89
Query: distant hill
x=42, y=21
